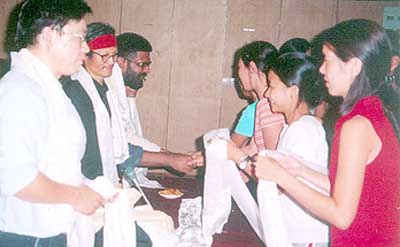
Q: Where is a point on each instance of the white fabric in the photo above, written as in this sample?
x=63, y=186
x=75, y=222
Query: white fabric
x=131, y=123
x=218, y=189
x=110, y=133
x=40, y=131
x=280, y=221
x=119, y=223
x=157, y=224
x=305, y=138
x=129, y=112
x=222, y=180
x=271, y=214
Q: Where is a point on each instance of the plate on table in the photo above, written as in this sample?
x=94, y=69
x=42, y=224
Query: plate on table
x=170, y=193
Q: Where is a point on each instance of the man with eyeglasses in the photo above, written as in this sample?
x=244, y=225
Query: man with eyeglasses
x=42, y=140
x=134, y=61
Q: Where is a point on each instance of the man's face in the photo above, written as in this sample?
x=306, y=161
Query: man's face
x=137, y=70
x=68, y=48
x=100, y=63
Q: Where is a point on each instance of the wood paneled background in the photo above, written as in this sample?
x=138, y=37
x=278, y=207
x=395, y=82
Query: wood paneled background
x=194, y=42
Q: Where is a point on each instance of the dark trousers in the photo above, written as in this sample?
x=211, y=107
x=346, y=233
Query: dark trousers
x=15, y=240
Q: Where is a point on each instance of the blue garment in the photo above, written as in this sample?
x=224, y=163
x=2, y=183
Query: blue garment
x=127, y=168
x=15, y=240
x=245, y=125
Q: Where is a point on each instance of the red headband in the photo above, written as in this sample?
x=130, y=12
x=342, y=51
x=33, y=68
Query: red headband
x=103, y=41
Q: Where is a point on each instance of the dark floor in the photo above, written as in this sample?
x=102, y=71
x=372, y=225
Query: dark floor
x=236, y=233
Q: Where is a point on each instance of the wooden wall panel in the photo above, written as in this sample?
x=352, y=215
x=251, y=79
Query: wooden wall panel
x=193, y=46
x=105, y=11
x=372, y=10
x=5, y=9
x=305, y=18
x=198, y=41
x=154, y=20
x=262, y=18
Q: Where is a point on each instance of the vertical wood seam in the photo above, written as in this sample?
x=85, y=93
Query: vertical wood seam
x=219, y=86
x=170, y=73
x=121, y=15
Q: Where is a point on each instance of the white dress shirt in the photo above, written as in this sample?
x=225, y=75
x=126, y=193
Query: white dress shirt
x=40, y=131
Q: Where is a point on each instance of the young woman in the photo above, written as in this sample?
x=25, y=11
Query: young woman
x=294, y=88
x=364, y=203
x=254, y=61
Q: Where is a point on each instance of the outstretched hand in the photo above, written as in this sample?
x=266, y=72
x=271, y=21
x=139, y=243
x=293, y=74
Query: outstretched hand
x=197, y=159
x=181, y=162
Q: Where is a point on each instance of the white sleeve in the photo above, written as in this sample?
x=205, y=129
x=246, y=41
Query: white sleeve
x=23, y=131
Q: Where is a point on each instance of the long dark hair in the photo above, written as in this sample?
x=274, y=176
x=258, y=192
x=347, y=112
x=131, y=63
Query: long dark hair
x=367, y=41
x=298, y=69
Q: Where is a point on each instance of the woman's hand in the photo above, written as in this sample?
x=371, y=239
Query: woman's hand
x=267, y=168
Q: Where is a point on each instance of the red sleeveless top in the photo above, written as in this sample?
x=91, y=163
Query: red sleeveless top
x=377, y=222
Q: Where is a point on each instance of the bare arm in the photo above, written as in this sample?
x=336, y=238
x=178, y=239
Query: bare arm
x=358, y=141
x=180, y=162
x=239, y=140
x=271, y=136
x=45, y=190
x=298, y=169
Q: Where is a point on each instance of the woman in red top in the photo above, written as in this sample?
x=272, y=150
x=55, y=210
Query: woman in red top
x=364, y=205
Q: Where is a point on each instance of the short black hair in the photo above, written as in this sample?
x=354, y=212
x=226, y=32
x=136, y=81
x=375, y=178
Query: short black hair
x=130, y=43
x=96, y=29
x=34, y=15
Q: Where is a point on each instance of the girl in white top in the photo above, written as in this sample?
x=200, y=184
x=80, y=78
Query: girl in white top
x=293, y=88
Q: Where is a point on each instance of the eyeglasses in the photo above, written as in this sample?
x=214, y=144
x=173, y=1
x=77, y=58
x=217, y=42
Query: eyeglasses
x=141, y=65
x=106, y=57
x=76, y=35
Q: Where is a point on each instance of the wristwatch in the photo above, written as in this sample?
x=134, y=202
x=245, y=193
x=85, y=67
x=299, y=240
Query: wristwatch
x=243, y=162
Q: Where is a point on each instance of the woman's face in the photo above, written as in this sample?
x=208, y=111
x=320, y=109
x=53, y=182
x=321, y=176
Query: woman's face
x=278, y=93
x=244, y=76
x=337, y=74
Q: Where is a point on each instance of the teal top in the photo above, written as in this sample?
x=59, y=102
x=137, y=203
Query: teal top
x=245, y=125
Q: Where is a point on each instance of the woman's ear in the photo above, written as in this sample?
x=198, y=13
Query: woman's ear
x=253, y=67
x=394, y=63
x=355, y=66
x=294, y=92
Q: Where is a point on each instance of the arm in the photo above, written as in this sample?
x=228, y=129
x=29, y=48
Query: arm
x=298, y=169
x=271, y=136
x=179, y=162
x=358, y=140
x=238, y=139
x=44, y=190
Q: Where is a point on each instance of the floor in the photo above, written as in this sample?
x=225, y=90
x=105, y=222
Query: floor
x=236, y=233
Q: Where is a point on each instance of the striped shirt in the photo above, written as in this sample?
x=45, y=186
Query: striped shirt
x=264, y=119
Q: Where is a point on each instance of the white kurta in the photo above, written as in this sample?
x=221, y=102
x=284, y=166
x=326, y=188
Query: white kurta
x=129, y=112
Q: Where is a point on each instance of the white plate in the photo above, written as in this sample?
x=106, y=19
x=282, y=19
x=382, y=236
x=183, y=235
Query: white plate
x=167, y=196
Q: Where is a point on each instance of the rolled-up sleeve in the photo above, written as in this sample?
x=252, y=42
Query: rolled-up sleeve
x=23, y=131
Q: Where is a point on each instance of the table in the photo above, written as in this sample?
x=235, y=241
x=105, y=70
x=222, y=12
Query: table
x=236, y=233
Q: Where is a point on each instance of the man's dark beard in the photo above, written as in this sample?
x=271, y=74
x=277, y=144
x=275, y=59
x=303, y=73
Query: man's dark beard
x=134, y=80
